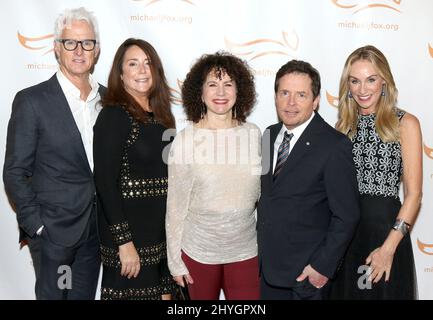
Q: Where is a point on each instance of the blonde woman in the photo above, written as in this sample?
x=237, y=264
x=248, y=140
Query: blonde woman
x=387, y=149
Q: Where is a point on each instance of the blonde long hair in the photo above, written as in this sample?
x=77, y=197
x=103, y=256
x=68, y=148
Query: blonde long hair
x=387, y=122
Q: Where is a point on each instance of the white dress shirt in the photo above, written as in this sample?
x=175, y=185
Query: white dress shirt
x=297, y=132
x=84, y=112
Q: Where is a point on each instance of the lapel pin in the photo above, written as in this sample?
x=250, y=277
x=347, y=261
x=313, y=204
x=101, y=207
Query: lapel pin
x=307, y=143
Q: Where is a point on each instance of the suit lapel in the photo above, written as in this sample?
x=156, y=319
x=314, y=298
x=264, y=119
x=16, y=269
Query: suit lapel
x=63, y=112
x=304, y=144
x=102, y=90
x=269, y=145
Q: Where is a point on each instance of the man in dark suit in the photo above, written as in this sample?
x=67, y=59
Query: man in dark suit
x=49, y=162
x=308, y=209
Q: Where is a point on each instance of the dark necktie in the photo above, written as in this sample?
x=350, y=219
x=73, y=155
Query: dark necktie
x=283, y=153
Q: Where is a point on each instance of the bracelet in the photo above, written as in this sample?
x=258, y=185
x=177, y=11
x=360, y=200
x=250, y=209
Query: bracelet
x=402, y=226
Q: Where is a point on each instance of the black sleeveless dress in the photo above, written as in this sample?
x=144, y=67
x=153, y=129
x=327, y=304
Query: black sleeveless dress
x=379, y=169
x=131, y=182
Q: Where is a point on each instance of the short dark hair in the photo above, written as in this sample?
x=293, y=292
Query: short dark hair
x=298, y=66
x=221, y=62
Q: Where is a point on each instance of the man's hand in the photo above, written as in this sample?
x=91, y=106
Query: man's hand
x=316, y=279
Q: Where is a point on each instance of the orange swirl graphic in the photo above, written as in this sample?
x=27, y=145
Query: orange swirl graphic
x=423, y=247
x=343, y=6
x=359, y=7
x=332, y=100
x=430, y=50
x=284, y=45
x=36, y=40
x=428, y=151
x=376, y=6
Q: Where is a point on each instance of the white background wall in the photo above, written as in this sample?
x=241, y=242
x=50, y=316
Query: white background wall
x=266, y=33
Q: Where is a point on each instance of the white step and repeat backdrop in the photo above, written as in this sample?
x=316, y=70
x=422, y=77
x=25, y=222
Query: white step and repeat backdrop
x=265, y=33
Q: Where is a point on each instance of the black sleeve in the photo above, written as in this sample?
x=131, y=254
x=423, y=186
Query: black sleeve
x=343, y=197
x=111, y=131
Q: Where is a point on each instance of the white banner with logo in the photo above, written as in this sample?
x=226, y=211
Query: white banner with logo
x=265, y=33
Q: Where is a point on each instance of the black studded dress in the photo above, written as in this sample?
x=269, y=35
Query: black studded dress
x=379, y=169
x=131, y=183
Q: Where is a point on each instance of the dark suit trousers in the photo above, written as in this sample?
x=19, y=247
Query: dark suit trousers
x=302, y=291
x=67, y=273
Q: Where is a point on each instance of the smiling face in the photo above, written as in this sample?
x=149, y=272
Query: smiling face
x=219, y=93
x=294, y=99
x=365, y=84
x=76, y=63
x=136, y=72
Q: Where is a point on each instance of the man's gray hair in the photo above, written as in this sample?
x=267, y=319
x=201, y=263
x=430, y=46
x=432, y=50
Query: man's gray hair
x=66, y=17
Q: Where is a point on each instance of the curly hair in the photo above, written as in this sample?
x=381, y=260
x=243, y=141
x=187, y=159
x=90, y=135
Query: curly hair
x=221, y=63
x=159, y=95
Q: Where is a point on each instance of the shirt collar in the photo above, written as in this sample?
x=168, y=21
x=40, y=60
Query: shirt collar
x=299, y=129
x=69, y=88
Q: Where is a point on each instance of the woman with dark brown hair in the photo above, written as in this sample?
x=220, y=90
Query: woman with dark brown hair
x=131, y=177
x=214, y=183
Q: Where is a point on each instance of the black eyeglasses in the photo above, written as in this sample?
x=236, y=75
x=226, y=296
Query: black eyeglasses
x=71, y=45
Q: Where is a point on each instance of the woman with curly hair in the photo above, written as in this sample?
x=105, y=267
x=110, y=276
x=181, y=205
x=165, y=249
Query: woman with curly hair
x=213, y=183
x=387, y=149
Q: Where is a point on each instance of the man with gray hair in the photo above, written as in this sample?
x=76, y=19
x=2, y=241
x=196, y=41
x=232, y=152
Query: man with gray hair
x=49, y=162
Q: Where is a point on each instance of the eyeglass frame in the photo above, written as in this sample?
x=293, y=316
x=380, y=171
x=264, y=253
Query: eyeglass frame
x=78, y=42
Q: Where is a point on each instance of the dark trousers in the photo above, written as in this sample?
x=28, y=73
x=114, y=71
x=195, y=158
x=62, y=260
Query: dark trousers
x=302, y=291
x=67, y=273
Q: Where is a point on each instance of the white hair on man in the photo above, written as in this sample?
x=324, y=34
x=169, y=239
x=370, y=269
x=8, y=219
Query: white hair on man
x=64, y=20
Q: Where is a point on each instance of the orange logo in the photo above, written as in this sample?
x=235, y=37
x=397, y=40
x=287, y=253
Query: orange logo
x=333, y=101
x=425, y=248
x=38, y=43
x=260, y=47
x=430, y=50
x=150, y=2
x=176, y=94
x=361, y=5
x=428, y=151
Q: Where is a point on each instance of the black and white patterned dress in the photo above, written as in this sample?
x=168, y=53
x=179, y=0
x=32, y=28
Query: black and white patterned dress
x=379, y=170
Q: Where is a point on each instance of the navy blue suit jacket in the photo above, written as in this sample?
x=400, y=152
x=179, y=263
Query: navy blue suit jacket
x=309, y=213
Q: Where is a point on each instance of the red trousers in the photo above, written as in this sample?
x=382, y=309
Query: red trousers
x=238, y=280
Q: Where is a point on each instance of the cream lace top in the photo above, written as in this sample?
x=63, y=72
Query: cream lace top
x=213, y=187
